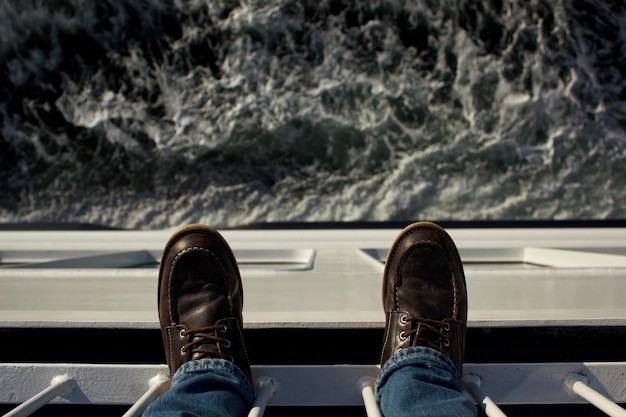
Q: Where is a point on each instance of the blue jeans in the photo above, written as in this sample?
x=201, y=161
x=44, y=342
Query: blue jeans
x=421, y=382
x=205, y=387
x=415, y=382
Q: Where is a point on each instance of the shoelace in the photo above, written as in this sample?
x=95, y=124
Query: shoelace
x=203, y=336
x=431, y=332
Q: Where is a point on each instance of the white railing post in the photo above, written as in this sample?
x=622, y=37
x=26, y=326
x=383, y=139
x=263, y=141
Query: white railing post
x=60, y=385
x=578, y=384
x=266, y=388
x=158, y=385
x=369, y=399
x=472, y=385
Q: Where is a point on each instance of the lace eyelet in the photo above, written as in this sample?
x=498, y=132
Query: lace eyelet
x=446, y=327
x=226, y=344
x=183, y=333
x=398, y=350
x=223, y=328
x=183, y=351
x=404, y=319
x=446, y=342
x=403, y=336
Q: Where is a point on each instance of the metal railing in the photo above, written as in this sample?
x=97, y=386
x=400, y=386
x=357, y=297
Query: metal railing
x=60, y=385
x=579, y=385
x=32, y=386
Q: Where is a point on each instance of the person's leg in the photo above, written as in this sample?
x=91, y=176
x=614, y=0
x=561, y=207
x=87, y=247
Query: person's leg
x=425, y=302
x=420, y=381
x=200, y=310
x=205, y=387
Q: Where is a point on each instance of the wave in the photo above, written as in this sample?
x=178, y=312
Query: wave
x=151, y=114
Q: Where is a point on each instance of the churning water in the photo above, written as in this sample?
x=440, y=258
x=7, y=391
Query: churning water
x=152, y=113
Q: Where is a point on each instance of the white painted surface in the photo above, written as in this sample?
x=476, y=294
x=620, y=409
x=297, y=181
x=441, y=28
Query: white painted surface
x=302, y=385
x=313, y=278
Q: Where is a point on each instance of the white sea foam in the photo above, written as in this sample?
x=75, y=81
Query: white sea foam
x=126, y=116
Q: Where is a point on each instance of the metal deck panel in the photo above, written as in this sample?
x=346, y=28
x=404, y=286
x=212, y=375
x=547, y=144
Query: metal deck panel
x=314, y=278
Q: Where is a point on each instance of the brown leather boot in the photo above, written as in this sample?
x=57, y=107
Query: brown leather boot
x=200, y=299
x=424, y=294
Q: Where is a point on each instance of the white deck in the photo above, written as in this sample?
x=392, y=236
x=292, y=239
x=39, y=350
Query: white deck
x=314, y=278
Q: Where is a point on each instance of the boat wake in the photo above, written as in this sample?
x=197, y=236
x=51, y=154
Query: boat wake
x=151, y=114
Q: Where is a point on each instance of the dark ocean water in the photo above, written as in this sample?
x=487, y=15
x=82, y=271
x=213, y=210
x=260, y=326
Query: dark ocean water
x=150, y=113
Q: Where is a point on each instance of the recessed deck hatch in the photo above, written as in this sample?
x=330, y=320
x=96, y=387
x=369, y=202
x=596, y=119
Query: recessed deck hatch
x=248, y=259
x=530, y=257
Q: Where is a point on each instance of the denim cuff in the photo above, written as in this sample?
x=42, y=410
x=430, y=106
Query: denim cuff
x=216, y=366
x=418, y=356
